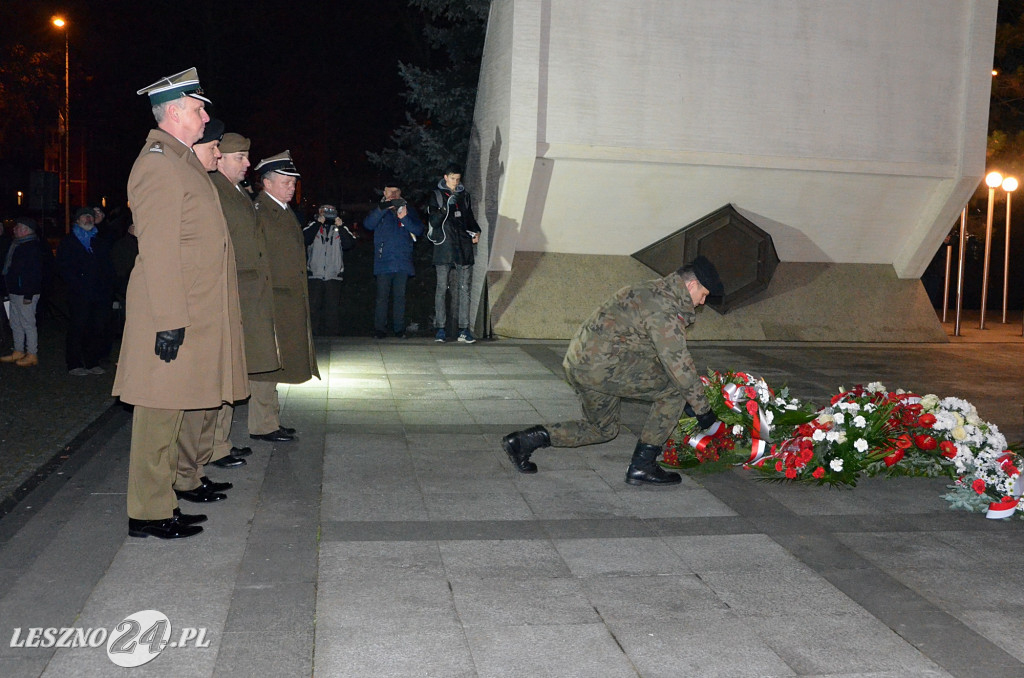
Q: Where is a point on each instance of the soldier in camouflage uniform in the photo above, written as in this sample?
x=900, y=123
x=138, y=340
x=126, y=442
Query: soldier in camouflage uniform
x=633, y=346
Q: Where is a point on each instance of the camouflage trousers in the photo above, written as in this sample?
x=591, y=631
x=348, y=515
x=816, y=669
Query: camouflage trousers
x=600, y=421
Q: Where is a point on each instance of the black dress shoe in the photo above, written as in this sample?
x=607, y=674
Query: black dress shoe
x=229, y=461
x=188, y=519
x=168, y=528
x=287, y=429
x=240, y=451
x=211, y=486
x=200, y=495
x=278, y=436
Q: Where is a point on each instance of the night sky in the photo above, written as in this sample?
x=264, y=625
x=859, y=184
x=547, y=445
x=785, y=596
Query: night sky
x=318, y=78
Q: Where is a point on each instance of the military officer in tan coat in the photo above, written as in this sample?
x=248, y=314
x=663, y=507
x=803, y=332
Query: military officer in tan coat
x=255, y=293
x=182, y=346
x=291, y=296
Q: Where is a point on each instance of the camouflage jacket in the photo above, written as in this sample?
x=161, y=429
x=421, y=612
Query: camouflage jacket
x=636, y=339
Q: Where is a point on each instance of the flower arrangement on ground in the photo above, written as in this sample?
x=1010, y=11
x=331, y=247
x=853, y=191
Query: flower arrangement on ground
x=863, y=431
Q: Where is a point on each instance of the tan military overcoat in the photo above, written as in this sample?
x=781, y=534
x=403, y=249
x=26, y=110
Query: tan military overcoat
x=291, y=294
x=255, y=292
x=184, y=276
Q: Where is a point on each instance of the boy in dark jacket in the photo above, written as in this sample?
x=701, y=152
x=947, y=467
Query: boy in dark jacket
x=455, y=233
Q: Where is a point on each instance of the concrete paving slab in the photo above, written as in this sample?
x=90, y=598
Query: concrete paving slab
x=393, y=538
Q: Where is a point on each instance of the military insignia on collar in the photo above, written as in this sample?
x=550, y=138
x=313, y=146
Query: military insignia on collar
x=157, y=147
x=256, y=206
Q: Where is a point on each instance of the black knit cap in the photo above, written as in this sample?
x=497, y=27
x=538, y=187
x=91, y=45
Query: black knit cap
x=707, y=275
x=28, y=221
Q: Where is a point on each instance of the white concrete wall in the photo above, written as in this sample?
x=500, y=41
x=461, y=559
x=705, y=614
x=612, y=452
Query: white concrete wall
x=853, y=131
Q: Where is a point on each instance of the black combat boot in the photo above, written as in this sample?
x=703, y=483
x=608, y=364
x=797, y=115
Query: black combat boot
x=644, y=469
x=521, y=444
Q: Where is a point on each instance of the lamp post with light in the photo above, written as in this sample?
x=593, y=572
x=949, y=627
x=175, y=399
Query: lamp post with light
x=992, y=180
x=1009, y=185
x=62, y=24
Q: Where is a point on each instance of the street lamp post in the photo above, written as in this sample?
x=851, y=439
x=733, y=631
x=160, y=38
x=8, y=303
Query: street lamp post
x=1009, y=185
x=60, y=23
x=960, y=272
x=992, y=180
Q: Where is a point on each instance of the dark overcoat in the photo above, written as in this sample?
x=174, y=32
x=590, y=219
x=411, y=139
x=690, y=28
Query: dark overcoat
x=291, y=295
x=255, y=290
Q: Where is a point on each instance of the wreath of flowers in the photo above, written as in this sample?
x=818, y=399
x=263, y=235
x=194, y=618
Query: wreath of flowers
x=866, y=430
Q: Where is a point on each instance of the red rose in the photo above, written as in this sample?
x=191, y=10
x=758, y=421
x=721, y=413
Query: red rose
x=819, y=472
x=948, y=449
x=927, y=420
x=791, y=473
x=903, y=441
x=925, y=442
x=978, y=486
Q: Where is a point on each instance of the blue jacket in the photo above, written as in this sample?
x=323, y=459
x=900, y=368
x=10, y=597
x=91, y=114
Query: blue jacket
x=392, y=240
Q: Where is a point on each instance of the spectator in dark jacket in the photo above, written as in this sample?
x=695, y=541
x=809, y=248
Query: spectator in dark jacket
x=395, y=226
x=23, y=277
x=455, y=233
x=83, y=260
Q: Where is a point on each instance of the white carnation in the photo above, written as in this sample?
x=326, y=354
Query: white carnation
x=818, y=435
x=859, y=421
x=836, y=465
x=860, y=445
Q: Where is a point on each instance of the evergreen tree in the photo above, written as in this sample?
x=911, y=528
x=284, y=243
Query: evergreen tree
x=441, y=95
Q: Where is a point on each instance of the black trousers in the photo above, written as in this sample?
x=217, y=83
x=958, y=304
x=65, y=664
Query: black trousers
x=88, y=340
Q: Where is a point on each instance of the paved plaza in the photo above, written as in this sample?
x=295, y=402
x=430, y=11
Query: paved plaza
x=394, y=539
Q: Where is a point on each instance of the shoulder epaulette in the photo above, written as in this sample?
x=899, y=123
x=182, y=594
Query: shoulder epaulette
x=156, y=147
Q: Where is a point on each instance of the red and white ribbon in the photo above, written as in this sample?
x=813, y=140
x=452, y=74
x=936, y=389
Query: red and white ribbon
x=700, y=441
x=760, y=432
x=1006, y=507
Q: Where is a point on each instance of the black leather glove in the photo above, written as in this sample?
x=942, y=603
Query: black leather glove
x=688, y=411
x=168, y=342
x=706, y=420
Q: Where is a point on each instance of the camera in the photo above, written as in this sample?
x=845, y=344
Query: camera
x=394, y=204
x=330, y=212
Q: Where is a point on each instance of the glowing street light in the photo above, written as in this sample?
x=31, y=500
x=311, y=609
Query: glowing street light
x=62, y=24
x=1009, y=185
x=993, y=180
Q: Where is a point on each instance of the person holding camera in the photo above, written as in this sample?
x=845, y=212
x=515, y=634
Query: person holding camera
x=326, y=239
x=455, y=233
x=395, y=226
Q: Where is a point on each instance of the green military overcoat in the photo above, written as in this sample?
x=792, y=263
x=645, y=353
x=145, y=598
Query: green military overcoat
x=287, y=253
x=255, y=291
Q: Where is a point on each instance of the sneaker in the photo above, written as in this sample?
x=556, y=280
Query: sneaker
x=441, y=335
x=96, y=370
x=465, y=337
x=79, y=372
